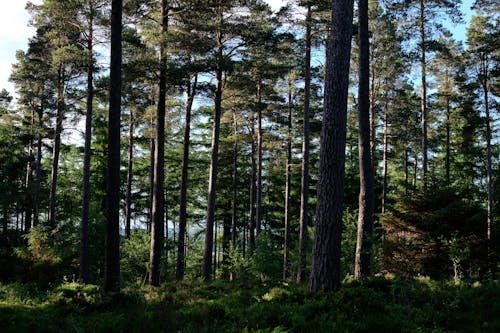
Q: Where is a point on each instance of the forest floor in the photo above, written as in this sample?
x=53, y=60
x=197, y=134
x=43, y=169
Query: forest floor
x=377, y=305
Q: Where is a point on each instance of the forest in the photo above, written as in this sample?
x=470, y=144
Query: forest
x=222, y=166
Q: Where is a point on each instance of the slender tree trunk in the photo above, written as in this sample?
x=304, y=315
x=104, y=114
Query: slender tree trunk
x=130, y=158
x=184, y=180
x=234, y=206
x=407, y=162
x=415, y=165
x=38, y=166
x=489, y=182
x=112, y=249
x=28, y=201
x=325, y=269
x=157, y=220
x=286, y=243
x=258, y=206
x=384, y=162
x=212, y=182
x=366, y=173
x=423, y=94
x=84, y=225
x=253, y=190
x=373, y=129
x=152, y=147
x=56, y=148
x=304, y=184
x=448, y=130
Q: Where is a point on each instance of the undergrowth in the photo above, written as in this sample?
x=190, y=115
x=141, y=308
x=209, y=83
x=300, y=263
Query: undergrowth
x=375, y=305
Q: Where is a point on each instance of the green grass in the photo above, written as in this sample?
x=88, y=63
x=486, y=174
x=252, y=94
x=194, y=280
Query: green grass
x=377, y=305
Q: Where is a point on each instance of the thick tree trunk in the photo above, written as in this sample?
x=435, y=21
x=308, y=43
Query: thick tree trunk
x=286, y=242
x=130, y=158
x=157, y=220
x=179, y=273
x=258, y=205
x=112, y=249
x=212, y=182
x=304, y=184
x=423, y=94
x=325, y=269
x=56, y=148
x=366, y=174
x=84, y=225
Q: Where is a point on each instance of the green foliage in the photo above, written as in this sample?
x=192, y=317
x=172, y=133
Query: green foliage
x=435, y=233
x=376, y=305
x=267, y=260
x=50, y=254
x=135, y=257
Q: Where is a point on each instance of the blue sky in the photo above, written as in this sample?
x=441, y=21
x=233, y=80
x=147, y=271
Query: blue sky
x=14, y=33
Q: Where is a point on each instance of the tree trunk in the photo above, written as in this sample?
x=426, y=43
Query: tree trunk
x=489, y=183
x=152, y=147
x=448, y=130
x=235, y=182
x=28, y=201
x=112, y=250
x=130, y=158
x=423, y=95
x=325, y=269
x=179, y=273
x=258, y=205
x=56, y=148
x=157, y=220
x=304, y=184
x=84, y=226
x=212, y=182
x=366, y=174
x=384, y=162
x=38, y=166
x=286, y=243
x=253, y=190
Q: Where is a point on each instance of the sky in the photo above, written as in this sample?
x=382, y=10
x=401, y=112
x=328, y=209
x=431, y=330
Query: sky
x=15, y=32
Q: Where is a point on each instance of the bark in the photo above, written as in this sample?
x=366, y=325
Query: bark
x=304, y=184
x=253, y=190
x=179, y=273
x=29, y=180
x=157, y=218
x=152, y=148
x=38, y=165
x=235, y=182
x=258, y=205
x=407, y=162
x=130, y=158
x=423, y=95
x=84, y=226
x=448, y=130
x=212, y=182
x=112, y=249
x=56, y=147
x=366, y=173
x=384, y=162
x=489, y=183
x=286, y=243
x=325, y=269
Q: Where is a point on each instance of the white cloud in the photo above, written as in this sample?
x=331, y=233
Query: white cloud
x=14, y=35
